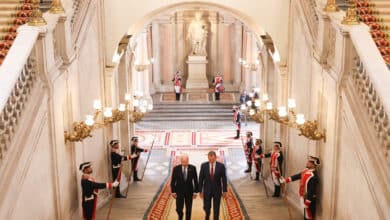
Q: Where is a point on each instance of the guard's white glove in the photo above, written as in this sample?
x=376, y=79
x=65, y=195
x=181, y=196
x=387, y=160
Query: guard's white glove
x=282, y=180
x=134, y=156
x=302, y=202
x=115, y=183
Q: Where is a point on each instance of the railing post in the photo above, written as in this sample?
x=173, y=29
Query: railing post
x=331, y=6
x=351, y=17
x=36, y=17
x=56, y=7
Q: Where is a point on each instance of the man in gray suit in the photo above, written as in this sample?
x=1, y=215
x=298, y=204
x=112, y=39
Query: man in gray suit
x=212, y=184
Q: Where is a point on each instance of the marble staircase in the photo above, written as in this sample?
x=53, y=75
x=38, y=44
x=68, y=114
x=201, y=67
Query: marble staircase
x=376, y=14
x=13, y=13
x=190, y=112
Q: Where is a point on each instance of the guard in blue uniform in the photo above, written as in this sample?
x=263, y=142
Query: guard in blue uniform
x=116, y=161
x=249, y=150
x=237, y=121
x=137, y=151
x=90, y=191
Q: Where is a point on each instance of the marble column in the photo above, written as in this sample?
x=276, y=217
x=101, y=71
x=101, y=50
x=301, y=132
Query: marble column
x=156, y=54
x=142, y=59
x=254, y=60
x=152, y=89
x=130, y=85
x=122, y=75
x=249, y=60
x=213, y=55
x=173, y=55
x=221, y=48
x=180, y=45
x=237, y=53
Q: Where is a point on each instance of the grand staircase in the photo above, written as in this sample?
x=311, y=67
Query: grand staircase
x=376, y=14
x=190, y=112
x=188, y=109
x=13, y=13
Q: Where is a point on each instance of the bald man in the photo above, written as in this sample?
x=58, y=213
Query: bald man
x=184, y=186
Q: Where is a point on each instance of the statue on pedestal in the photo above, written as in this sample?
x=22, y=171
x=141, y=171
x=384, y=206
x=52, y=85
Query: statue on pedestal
x=197, y=35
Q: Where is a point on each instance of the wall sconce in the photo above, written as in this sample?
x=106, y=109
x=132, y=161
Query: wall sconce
x=136, y=111
x=258, y=110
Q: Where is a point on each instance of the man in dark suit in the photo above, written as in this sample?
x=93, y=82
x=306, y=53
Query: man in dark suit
x=184, y=186
x=212, y=184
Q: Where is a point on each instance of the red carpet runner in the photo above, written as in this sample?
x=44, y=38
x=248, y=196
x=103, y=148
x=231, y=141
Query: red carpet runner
x=231, y=207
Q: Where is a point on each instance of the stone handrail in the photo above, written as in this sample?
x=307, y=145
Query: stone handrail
x=80, y=8
x=17, y=76
x=372, y=79
x=309, y=9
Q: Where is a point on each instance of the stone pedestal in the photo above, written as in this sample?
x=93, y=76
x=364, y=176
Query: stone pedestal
x=197, y=73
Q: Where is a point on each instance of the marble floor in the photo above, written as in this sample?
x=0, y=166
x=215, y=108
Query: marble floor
x=251, y=192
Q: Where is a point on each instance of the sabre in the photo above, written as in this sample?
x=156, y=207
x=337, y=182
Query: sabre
x=284, y=191
x=262, y=177
x=147, y=160
x=112, y=198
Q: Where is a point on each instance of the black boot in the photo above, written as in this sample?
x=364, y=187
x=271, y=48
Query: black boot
x=257, y=176
x=277, y=191
x=249, y=168
x=135, y=176
x=237, y=134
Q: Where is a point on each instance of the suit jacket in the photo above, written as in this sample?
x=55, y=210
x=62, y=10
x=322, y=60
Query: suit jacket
x=181, y=186
x=219, y=184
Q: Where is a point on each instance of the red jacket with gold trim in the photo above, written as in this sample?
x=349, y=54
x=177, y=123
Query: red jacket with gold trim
x=308, y=181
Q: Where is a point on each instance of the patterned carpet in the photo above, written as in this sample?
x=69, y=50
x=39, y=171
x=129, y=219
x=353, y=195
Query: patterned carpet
x=163, y=205
x=212, y=138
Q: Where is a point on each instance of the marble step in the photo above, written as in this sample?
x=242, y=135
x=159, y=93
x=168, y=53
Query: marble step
x=197, y=118
x=187, y=106
x=6, y=21
x=383, y=11
x=381, y=4
x=9, y=6
x=7, y=13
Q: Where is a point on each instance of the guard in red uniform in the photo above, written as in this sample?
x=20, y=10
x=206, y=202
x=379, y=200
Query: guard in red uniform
x=249, y=151
x=308, y=181
x=218, y=86
x=90, y=191
x=276, y=166
x=177, y=83
x=116, y=161
x=134, y=163
x=257, y=152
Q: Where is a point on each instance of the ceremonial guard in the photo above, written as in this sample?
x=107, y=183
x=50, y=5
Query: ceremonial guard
x=237, y=120
x=258, y=151
x=218, y=86
x=249, y=151
x=90, y=190
x=177, y=83
x=307, y=186
x=116, y=160
x=134, y=163
x=276, y=166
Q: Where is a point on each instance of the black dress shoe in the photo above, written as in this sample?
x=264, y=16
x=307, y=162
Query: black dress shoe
x=120, y=196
